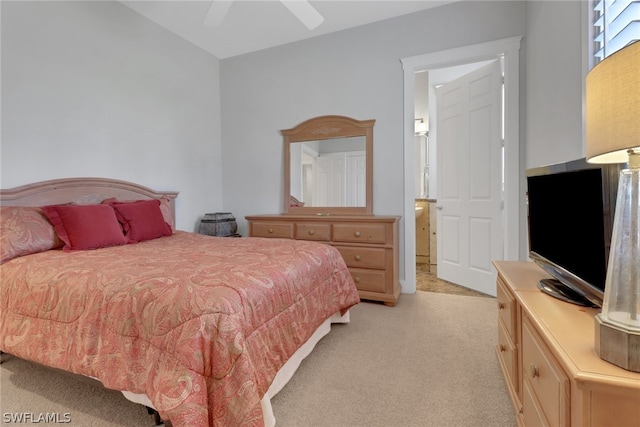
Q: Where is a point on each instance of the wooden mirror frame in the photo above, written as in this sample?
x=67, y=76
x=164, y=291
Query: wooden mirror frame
x=329, y=127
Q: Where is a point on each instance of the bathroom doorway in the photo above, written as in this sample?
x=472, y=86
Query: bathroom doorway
x=508, y=49
x=425, y=249
x=426, y=83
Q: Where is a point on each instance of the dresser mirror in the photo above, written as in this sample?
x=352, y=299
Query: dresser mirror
x=328, y=162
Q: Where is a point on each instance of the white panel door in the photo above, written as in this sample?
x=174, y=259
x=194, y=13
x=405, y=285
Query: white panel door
x=356, y=193
x=329, y=181
x=469, y=140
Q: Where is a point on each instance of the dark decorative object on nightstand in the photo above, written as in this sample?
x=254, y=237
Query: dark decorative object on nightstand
x=222, y=224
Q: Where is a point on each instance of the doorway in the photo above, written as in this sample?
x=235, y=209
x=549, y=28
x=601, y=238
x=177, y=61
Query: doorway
x=427, y=84
x=424, y=239
x=469, y=203
x=508, y=50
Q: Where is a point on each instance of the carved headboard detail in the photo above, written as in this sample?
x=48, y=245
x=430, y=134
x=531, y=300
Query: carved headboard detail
x=80, y=191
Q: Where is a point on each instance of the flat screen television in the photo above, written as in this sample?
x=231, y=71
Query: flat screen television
x=570, y=219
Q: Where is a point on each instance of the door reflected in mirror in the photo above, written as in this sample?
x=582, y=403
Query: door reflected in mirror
x=330, y=172
x=328, y=167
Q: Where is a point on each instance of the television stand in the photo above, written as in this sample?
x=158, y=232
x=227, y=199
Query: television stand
x=546, y=350
x=559, y=290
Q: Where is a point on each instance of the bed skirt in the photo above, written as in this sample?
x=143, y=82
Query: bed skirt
x=282, y=377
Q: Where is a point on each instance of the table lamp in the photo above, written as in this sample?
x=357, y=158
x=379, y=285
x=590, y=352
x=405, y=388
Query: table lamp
x=613, y=136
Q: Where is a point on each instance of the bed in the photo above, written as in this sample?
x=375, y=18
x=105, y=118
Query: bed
x=204, y=330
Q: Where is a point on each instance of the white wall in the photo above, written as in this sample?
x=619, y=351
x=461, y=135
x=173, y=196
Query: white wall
x=94, y=89
x=555, y=69
x=554, y=82
x=355, y=73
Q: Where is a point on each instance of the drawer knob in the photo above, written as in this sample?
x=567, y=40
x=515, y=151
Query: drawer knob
x=271, y=230
x=357, y=234
x=501, y=305
x=357, y=257
x=311, y=232
x=502, y=348
x=535, y=372
x=357, y=279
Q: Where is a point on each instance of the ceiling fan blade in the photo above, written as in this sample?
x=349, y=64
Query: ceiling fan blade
x=217, y=11
x=304, y=12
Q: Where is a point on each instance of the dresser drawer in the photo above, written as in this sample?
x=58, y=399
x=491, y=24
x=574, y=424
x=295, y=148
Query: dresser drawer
x=532, y=414
x=365, y=233
x=367, y=243
x=272, y=229
x=363, y=257
x=508, y=355
x=506, y=308
x=369, y=280
x=313, y=231
x=548, y=383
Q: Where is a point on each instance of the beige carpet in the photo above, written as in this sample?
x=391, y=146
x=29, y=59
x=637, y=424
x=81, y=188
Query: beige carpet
x=429, y=361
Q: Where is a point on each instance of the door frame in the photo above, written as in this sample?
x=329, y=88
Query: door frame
x=509, y=49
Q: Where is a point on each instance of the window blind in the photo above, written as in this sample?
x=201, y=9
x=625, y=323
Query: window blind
x=614, y=24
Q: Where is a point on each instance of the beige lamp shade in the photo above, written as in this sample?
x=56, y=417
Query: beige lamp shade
x=613, y=106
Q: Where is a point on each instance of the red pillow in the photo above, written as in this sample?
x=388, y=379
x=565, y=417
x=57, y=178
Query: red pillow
x=165, y=208
x=141, y=220
x=85, y=226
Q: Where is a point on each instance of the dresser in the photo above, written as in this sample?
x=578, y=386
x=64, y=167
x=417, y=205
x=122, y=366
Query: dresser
x=547, y=356
x=368, y=244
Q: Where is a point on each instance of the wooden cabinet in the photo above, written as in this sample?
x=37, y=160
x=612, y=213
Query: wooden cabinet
x=545, y=380
x=546, y=352
x=368, y=244
x=507, y=338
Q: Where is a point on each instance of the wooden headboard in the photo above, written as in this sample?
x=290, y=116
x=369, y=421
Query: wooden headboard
x=80, y=191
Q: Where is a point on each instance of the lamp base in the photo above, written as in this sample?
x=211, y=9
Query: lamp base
x=618, y=345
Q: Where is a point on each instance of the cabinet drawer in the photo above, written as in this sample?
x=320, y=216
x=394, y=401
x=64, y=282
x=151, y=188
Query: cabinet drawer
x=533, y=416
x=272, y=229
x=506, y=308
x=548, y=383
x=508, y=355
x=363, y=257
x=313, y=231
x=366, y=233
x=369, y=280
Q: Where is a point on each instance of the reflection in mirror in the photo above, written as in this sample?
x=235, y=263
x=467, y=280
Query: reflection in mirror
x=329, y=166
x=329, y=172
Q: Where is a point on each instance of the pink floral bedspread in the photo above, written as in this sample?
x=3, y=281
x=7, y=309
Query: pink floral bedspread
x=199, y=324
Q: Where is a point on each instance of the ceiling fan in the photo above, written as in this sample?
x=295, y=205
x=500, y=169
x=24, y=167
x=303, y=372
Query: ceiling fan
x=302, y=9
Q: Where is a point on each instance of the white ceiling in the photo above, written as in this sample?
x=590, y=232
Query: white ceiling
x=252, y=25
